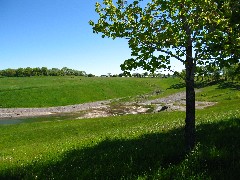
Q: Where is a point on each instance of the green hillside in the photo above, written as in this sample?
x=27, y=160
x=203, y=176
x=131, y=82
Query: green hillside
x=59, y=91
x=147, y=146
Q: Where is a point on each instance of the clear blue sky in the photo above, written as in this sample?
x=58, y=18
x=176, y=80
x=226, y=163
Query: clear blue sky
x=56, y=33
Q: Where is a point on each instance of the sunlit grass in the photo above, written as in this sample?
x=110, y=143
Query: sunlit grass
x=149, y=146
x=58, y=91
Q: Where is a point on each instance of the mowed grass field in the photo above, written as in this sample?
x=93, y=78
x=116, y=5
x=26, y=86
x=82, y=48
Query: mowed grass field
x=147, y=146
x=59, y=91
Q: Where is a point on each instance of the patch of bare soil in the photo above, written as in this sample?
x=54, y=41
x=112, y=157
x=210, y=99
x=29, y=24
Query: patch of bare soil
x=9, y=113
x=114, y=111
x=175, y=102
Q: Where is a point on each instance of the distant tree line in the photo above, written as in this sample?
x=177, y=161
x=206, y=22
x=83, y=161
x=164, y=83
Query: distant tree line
x=215, y=73
x=140, y=75
x=44, y=71
x=151, y=75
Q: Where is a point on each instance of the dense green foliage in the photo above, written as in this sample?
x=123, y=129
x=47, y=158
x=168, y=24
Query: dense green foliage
x=58, y=91
x=205, y=31
x=129, y=147
x=44, y=71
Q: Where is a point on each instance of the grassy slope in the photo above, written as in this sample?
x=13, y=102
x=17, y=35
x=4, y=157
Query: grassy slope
x=56, y=91
x=130, y=147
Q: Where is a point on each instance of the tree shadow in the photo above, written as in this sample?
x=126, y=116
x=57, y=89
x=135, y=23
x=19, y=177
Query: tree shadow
x=198, y=84
x=220, y=150
x=110, y=159
x=206, y=83
x=201, y=84
x=218, y=156
x=231, y=85
x=177, y=86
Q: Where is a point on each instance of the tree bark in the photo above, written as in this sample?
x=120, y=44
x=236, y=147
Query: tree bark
x=190, y=131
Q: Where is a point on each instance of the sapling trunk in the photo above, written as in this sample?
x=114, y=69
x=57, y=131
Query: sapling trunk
x=190, y=132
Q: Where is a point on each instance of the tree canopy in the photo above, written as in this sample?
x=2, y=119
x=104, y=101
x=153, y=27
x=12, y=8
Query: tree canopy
x=203, y=32
x=157, y=32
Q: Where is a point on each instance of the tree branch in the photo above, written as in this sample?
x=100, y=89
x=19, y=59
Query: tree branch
x=171, y=54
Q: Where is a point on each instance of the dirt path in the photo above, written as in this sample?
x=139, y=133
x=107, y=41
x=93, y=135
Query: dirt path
x=31, y=112
x=175, y=102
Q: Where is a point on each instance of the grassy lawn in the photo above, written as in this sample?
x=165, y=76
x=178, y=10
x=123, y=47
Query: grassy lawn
x=58, y=91
x=149, y=146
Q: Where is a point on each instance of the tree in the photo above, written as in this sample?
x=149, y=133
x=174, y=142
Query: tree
x=232, y=72
x=36, y=71
x=20, y=72
x=216, y=74
x=45, y=71
x=121, y=75
x=28, y=71
x=54, y=72
x=9, y=72
x=187, y=30
x=145, y=74
x=229, y=45
x=90, y=75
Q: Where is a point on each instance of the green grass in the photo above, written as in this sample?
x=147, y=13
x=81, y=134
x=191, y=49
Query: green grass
x=58, y=91
x=149, y=146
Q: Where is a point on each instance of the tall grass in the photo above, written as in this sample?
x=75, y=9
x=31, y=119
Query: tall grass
x=146, y=146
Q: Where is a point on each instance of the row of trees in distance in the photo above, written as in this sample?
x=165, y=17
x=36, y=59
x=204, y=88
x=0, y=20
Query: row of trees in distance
x=202, y=73
x=44, y=71
x=214, y=73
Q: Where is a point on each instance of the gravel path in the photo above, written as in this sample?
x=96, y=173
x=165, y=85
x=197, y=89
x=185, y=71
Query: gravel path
x=31, y=112
x=169, y=99
x=175, y=102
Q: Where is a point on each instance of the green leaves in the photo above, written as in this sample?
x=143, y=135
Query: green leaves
x=162, y=24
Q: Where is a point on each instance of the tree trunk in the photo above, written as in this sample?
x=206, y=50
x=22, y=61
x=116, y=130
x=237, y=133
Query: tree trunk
x=190, y=132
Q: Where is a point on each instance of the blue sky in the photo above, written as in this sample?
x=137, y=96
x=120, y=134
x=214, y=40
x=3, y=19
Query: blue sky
x=56, y=33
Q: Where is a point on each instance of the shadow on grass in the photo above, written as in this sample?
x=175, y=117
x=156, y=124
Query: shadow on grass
x=231, y=85
x=221, y=148
x=201, y=84
x=177, y=86
x=159, y=156
x=110, y=159
x=198, y=84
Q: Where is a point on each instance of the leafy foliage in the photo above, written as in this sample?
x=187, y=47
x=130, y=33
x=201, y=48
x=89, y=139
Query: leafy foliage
x=162, y=26
x=44, y=71
x=166, y=30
